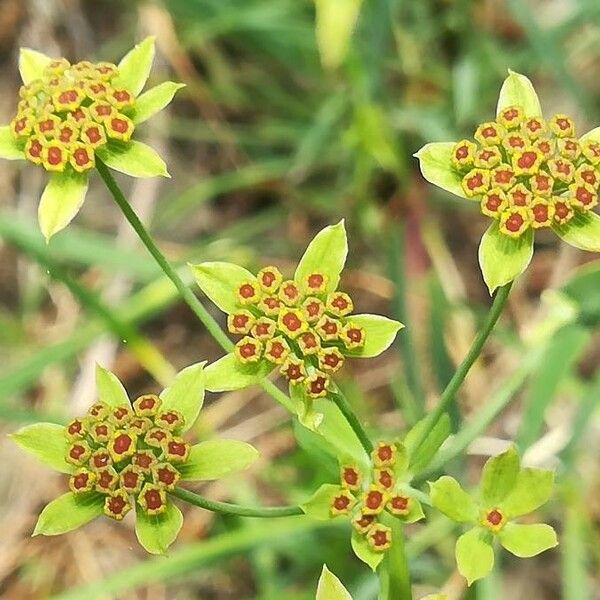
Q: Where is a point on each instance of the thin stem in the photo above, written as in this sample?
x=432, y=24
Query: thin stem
x=395, y=582
x=227, y=508
x=211, y=325
x=352, y=419
x=454, y=384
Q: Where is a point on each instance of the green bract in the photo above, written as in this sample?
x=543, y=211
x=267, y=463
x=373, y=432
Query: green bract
x=330, y=587
x=70, y=115
x=506, y=491
x=124, y=455
x=526, y=174
x=303, y=325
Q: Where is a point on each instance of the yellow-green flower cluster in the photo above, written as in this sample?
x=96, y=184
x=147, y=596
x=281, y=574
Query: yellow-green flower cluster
x=127, y=454
x=70, y=112
x=300, y=327
x=365, y=497
x=528, y=172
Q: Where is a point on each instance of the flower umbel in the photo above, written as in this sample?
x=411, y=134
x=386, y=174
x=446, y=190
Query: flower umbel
x=126, y=456
x=507, y=491
x=527, y=174
x=369, y=496
x=304, y=327
x=70, y=115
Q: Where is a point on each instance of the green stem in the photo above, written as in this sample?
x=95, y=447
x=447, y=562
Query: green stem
x=453, y=386
x=394, y=576
x=206, y=319
x=226, y=508
x=352, y=419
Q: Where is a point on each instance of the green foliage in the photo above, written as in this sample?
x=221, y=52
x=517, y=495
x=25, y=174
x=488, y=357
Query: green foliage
x=154, y=100
x=31, y=64
x=220, y=281
x=9, y=148
x=186, y=394
x=365, y=552
x=474, y=554
x=134, y=67
x=47, y=442
x=61, y=200
x=582, y=231
x=319, y=504
x=110, y=389
x=448, y=497
x=517, y=90
x=157, y=532
x=380, y=333
x=325, y=254
x=330, y=587
x=228, y=373
x=68, y=512
x=436, y=166
x=503, y=258
x=133, y=158
x=217, y=458
x=525, y=541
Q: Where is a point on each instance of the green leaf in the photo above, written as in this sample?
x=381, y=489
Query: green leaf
x=319, y=503
x=337, y=432
x=68, y=512
x=474, y=555
x=380, y=332
x=228, y=373
x=592, y=135
x=449, y=498
x=220, y=282
x=532, y=488
x=61, y=201
x=135, y=66
x=214, y=459
x=361, y=548
x=525, y=541
x=435, y=160
x=47, y=442
x=9, y=149
x=325, y=254
x=32, y=64
x=415, y=512
x=503, y=258
x=133, y=158
x=154, y=100
x=430, y=445
x=157, y=532
x=186, y=393
x=110, y=389
x=582, y=231
x=330, y=587
x=335, y=23
x=499, y=476
x=518, y=90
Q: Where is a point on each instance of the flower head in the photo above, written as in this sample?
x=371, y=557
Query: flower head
x=123, y=456
x=70, y=115
x=302, y=326
x=371, y=495
x=527, y=174
x=507, y=491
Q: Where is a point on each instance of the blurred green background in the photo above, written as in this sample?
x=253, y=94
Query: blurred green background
x=275, y=135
